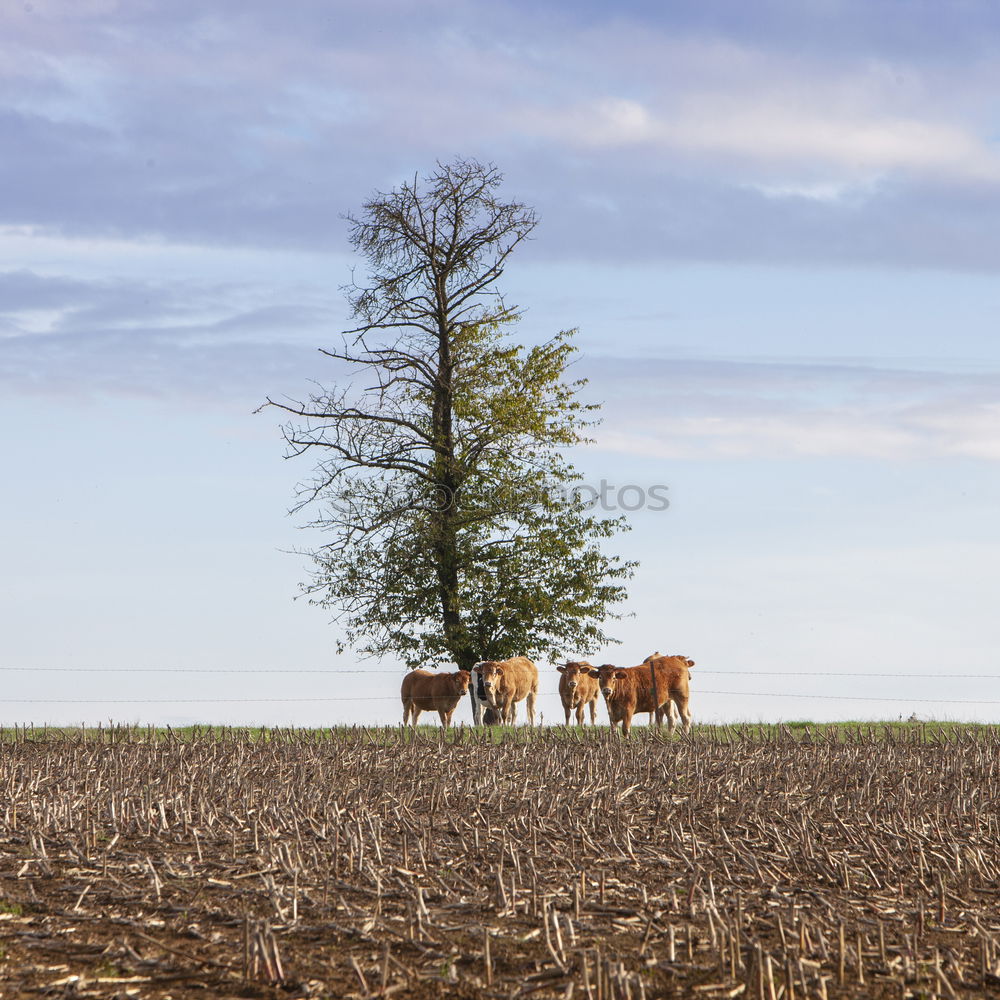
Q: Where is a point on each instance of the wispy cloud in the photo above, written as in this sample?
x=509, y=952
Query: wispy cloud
x=743, y=410
x=780, y=135
x=222, y=340
x=654, y=132
x=72, y=337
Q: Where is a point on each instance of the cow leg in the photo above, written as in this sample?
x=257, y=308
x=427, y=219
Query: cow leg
x=477, y=705
x=626, y=723
x=414, y=714
x=406, y=712
x=684, y=711
x=568, y=711
x=530, y=705
x=671, y=718
x=593, y=711
x=579, y=714
x=444, y=715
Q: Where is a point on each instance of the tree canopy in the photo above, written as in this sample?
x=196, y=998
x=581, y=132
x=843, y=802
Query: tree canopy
x=453, y=530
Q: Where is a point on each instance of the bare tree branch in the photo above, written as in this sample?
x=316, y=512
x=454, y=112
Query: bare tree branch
x=439, y=476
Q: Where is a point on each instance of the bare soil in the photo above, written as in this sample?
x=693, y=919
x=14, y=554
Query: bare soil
x=720, y=865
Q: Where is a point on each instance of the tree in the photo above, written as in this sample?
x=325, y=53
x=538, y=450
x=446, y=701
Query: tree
x=454, y=529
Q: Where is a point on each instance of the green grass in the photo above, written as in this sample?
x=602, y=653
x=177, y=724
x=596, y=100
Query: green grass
x=851, y=730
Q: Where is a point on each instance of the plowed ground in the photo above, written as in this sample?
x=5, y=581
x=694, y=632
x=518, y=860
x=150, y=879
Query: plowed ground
x=720, y=865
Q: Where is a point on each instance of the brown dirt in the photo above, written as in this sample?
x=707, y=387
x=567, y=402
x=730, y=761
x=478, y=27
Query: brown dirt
x=719, y=866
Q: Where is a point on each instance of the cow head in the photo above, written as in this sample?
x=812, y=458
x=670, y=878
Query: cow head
x=573, y=672
x=461, y=680
x=492, y=675
x=608, y=676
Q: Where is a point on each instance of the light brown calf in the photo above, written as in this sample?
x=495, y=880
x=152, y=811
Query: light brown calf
x=506, y=682
x=577, y=689
x=630, y=690
x=671, y=720
x=423, y=691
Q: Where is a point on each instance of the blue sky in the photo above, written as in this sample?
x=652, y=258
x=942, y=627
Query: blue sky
x=774, y=224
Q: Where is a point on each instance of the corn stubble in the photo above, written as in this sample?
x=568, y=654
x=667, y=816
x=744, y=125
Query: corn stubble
x=380, y=863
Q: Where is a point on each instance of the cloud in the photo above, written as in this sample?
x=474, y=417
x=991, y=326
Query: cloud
x=742, y=410
x=23, y=290
x=219, y=341
x=650, y=133
x=971, y=431
x=753, y=131
x=214, y=341
x=819, y=435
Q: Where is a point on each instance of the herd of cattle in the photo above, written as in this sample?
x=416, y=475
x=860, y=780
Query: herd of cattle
x=657, y=686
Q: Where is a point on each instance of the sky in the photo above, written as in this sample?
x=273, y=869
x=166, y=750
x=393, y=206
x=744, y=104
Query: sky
x=774, y=224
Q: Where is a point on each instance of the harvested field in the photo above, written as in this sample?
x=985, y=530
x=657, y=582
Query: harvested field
x=731, y=863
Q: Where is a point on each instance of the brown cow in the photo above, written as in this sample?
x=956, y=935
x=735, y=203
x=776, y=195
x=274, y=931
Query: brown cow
x=671, y=719
x=630, y=690
x=506, y=682
x=577, y=689
x=423, y=691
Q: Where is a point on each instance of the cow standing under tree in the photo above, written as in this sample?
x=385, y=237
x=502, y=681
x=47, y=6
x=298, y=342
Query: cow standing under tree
x=423, y=691
x=629, y=690
x=578, y=689
x=504, y=684
x=482, y=713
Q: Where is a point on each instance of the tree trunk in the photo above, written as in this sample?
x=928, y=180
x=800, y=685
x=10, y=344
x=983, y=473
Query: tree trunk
x=457, y=637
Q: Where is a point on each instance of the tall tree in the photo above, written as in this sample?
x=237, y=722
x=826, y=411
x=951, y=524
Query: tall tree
x=454, y=528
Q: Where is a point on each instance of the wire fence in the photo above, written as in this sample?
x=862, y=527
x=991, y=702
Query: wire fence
x=937, y=675
x=395, y=697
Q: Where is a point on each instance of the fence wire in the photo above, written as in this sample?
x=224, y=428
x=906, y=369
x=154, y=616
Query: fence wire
x=398, y=673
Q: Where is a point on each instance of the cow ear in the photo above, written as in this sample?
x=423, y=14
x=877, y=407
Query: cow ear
x=621, y=675
x=561, y=669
